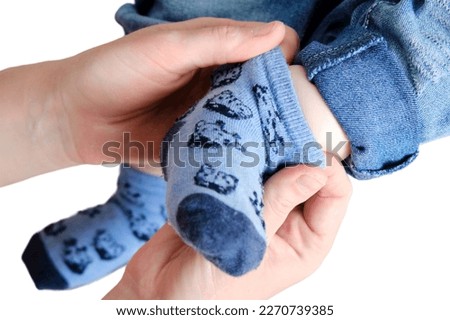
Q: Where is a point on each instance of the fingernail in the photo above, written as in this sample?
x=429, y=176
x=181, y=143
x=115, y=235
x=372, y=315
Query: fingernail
x=265, y=29
x=311, y=181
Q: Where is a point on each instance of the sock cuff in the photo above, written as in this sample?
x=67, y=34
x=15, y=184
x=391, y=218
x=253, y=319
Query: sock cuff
x=144, y=182
x=288, y=106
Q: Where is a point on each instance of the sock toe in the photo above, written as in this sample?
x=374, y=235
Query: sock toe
x=40, y=266
x=225, y=236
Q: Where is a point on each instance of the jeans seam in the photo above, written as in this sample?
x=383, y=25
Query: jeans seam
x=370, y=40
x=372, y=8
x=365, y=174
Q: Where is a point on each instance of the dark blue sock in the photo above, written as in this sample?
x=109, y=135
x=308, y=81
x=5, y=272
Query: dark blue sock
x=217, y=157
x=94, y=242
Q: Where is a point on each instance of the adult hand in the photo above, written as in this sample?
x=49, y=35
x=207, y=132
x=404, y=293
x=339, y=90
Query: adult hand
x=61, y=113
x=299, y=238
x=140, y=84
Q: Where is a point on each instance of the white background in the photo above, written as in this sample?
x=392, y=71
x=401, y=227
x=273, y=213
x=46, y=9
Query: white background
x=390, y=259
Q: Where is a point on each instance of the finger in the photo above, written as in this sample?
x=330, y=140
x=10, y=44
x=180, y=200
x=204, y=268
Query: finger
x=324, y=212
x=205, y=43
x=205, y=22
x=286, y=190
x=290, y=44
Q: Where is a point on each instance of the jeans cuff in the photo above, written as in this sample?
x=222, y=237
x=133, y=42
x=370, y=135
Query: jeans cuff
x=367, y=90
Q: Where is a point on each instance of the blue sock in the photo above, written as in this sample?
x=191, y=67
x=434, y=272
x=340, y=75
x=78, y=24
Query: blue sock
x=218, y=155
x=94, y=242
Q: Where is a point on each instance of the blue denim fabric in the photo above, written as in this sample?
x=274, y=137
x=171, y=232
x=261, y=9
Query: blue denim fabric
x=145, y=13
x=362, y=82
x=381, y=65
x=383, y=68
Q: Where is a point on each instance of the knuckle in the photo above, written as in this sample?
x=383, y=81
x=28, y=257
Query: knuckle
x=226, y=32
x=280, y=204
x=305, y=191
x=285, y=204
x=228, y=37
x=307, y=188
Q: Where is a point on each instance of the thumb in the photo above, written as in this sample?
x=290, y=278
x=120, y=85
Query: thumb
x=287, y=189
x=325, y=212
x=206, y=42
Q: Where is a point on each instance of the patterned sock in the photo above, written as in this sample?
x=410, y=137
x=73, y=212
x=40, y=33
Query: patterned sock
x=218, y=155
x=96, y=241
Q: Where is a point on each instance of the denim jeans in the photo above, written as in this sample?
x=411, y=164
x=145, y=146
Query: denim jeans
x=382, y=66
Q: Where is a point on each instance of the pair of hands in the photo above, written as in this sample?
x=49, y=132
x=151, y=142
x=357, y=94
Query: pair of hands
x=303, y=206
x=140, y=84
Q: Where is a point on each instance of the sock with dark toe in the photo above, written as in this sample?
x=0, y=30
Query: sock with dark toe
x=218, y=155
x=94, y=242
